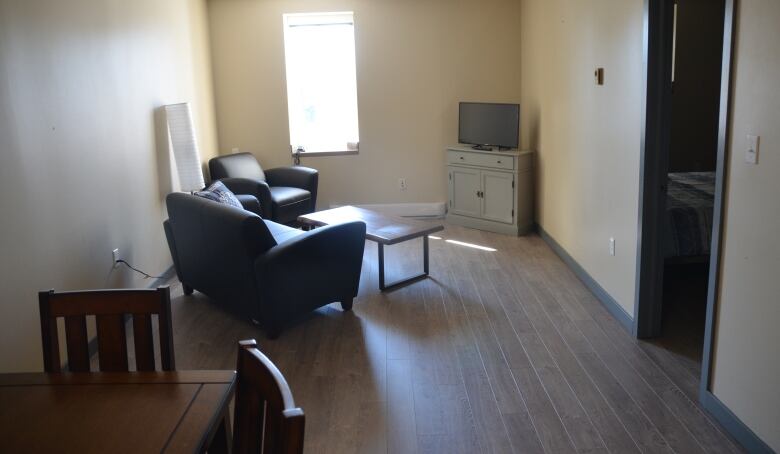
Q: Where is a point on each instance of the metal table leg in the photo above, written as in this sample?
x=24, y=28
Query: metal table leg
x=381, y=251
x=402, y=282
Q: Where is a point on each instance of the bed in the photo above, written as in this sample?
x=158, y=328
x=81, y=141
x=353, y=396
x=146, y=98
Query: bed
x=688, y=228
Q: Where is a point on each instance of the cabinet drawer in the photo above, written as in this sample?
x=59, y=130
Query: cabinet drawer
x=482, y=160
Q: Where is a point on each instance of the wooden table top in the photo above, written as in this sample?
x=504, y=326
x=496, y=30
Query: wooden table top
x=115, y=412
x=381, y=228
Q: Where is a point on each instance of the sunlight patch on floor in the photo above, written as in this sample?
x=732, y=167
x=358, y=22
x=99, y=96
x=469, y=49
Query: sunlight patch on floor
x=471, y=245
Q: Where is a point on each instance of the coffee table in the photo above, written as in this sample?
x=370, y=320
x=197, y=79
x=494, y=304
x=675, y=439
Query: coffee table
x=383, y=229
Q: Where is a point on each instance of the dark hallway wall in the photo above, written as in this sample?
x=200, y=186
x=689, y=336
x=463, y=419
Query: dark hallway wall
x=697, y=85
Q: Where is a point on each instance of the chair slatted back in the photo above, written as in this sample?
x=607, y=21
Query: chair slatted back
x=109, y=308
x=266, y=418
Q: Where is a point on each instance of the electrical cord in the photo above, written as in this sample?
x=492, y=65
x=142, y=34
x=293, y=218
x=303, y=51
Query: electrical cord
x=146, y=276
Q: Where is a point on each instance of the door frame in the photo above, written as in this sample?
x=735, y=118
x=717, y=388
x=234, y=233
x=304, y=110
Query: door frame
x=654, y=162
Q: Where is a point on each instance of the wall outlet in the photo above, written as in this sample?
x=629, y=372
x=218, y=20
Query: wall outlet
x=234, y=150
x=751, y=154
x=115, y=256
x=612, y=246
x=402, y=184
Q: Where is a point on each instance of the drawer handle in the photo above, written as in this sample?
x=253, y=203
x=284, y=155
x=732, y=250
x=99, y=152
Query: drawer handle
x=461, y=157
x=498, y=162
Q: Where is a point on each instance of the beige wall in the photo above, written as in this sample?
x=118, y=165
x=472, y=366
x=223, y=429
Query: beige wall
x=80, y=172
x=588, y=136
x=415, y=61
x=746, y=375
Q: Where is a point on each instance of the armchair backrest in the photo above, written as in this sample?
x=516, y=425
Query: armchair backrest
x=239, y=165
x=214, y=247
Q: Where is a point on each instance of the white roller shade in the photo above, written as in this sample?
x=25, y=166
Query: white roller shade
x=185, y=146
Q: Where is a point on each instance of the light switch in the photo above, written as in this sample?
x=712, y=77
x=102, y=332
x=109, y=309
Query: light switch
x=751, y=153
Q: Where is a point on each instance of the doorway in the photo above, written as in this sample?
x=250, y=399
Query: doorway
x=688, y=71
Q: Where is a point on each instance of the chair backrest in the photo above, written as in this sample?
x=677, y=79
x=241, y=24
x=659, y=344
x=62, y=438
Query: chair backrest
x=109, y=308
x=239, y=165
x=266, y=418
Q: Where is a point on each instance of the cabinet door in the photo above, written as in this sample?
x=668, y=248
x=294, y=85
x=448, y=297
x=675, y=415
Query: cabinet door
x=498, y=200
x=464, y=185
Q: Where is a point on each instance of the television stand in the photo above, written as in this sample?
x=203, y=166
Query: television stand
x=490, y=190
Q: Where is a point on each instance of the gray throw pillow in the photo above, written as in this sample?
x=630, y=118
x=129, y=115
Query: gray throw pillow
x=218, y=192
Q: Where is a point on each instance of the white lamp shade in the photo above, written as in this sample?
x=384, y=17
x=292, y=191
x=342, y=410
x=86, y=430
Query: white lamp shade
x=185, y=146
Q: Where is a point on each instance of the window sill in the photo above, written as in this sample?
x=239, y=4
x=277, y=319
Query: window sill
x=326, y=153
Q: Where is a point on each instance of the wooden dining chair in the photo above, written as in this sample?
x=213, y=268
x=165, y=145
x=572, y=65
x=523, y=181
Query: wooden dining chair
x=110, y=308
x=266, y=418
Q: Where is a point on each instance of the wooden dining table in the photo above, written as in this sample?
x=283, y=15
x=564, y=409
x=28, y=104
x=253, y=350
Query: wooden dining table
x=116, y=412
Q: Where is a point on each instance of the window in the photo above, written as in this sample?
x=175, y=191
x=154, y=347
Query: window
x=321, y=87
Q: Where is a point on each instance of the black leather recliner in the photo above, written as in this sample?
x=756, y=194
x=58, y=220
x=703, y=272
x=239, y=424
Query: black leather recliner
x=284, y=192
x=258, y=268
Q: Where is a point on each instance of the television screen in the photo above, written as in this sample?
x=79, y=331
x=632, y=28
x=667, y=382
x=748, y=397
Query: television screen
x=489, y=124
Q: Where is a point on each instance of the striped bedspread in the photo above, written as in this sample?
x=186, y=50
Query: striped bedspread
x=689, y=202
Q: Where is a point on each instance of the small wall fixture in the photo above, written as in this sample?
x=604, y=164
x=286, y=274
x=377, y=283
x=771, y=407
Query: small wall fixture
x=599, y=74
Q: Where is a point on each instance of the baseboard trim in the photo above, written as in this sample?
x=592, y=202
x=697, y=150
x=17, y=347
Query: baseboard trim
x=164, y=277
x=742, y=433
x=410, y=210
x=92, y=345
x=602, y=295
x=490, y=226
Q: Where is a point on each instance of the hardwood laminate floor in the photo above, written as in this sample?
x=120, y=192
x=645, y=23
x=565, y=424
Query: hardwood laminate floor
x=684, y=314
x=503, y=349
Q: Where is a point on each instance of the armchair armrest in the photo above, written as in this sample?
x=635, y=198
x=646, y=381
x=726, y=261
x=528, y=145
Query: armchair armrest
x=296, y=177
x=318, y=267
x=257, y=188
x=250, y=203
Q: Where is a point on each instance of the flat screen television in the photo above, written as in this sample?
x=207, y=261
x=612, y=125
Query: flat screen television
x=489, y=124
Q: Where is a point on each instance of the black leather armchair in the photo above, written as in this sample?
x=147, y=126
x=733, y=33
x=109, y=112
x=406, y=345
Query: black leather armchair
x=258, y=268
x=284, y=193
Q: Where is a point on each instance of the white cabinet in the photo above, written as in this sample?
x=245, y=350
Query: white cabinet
x=490, y=190
x=464, y=191
x=498, y=196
